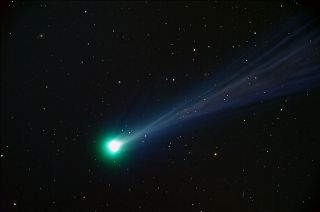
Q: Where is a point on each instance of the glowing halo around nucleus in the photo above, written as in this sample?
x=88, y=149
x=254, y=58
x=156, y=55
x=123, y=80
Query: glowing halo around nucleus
x=111, y=147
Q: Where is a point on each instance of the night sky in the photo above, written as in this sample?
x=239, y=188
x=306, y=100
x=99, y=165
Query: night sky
x=74, y=75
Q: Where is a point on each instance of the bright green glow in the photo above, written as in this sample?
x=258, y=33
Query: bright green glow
x=111, y=146
x=111, y=149
x=114, y=146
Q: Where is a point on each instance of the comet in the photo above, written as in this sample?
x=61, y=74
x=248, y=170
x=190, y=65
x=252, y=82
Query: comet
x=286, y=63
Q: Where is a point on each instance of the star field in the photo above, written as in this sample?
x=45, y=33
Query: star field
x=78, y=76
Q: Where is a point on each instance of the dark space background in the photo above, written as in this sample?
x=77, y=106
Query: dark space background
x=73, y=71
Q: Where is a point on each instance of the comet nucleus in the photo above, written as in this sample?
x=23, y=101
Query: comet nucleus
x=114, y=146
